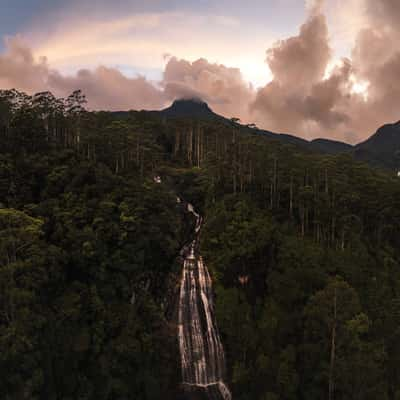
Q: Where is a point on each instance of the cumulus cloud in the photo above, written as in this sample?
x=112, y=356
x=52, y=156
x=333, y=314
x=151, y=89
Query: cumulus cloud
x=108, y=89
x=377, y=57
x=301, y=59
x=314, y=7
x=298, y=94
x=385, y=12
x=355, y=98
x=105, y=88
x=222, y=87
x=19, y=69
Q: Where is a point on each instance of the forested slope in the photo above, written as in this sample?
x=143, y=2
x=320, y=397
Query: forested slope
x=303, y=249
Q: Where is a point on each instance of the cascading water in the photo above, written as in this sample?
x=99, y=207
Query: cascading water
x=202, y=355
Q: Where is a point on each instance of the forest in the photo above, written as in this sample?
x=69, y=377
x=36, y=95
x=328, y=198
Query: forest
x=303, y=248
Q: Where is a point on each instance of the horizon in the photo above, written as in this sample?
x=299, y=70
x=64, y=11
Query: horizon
x=244, y=124
x=313, y=68
x=240, y=122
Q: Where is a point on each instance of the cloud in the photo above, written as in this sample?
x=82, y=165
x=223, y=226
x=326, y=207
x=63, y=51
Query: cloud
x=108, y=89
x=224, y=88
x=345, y=22
x=314, y=7
x=298, y=95
x=301, y=59
x=350, y=102
x=105, y=88
x=324, y=104
x=376, y=57
x=19, y=69
x=142, y=39
x=384, y=12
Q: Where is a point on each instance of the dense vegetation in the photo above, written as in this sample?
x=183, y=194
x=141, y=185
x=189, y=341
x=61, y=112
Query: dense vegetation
x=303, y=249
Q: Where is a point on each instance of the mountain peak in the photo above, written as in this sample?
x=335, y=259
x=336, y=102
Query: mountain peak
x=190, y=100
x=189, y=107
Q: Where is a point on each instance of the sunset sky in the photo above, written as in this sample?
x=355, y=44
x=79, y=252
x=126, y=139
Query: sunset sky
x=311, y=68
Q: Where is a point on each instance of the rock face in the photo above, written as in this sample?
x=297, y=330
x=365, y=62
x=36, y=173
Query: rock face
x=201, y=351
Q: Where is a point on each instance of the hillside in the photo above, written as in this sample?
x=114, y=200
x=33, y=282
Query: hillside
x=199, y=110
x=302, y=247
x=331, y=146
x=382, y=148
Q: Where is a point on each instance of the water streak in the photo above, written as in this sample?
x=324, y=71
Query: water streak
x=202, y=354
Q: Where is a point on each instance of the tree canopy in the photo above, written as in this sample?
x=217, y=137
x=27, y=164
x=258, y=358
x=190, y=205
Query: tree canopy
x=303, y=249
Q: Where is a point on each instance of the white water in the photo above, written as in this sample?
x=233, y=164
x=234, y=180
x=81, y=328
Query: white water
x=202, y=354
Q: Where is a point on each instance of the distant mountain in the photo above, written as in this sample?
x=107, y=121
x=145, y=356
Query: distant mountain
x=383, y=148
x=198, y=109
x=331, y=146
x=193, y=108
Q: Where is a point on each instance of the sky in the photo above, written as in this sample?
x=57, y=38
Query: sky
x=312, y=68
x=138, y=34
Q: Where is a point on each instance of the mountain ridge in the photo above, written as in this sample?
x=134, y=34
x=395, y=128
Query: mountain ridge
x=197, y=108
x=381, y=149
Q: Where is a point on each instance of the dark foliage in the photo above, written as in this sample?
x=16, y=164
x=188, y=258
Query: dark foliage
x=304, y=251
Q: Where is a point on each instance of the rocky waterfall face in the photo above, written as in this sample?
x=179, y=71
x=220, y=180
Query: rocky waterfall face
x=202, y=354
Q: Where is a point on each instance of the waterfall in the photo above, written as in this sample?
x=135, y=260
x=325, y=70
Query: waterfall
x=202, y=354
